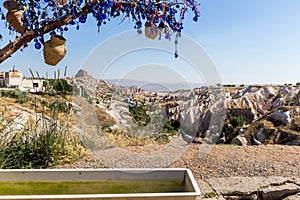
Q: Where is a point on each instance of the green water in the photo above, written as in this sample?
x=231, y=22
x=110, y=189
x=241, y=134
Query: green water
x=91, y=187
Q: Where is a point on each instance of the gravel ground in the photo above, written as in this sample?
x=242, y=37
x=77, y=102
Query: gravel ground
x=205, y=161
x=228, y=161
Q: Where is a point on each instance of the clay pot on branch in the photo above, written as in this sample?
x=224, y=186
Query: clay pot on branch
x=14, y=18
x=151, y=31
x=10, y=5
x=62, y=2
x=55, y=50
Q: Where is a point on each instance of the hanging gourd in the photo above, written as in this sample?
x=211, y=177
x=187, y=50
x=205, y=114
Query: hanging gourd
x=62, y=2
x=10, y=5
x=151, y=31
x=55, y=50
x=14, y=18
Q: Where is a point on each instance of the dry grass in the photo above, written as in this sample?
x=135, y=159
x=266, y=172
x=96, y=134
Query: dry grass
x=40, y=120
x=122, y=140
x=105, y=120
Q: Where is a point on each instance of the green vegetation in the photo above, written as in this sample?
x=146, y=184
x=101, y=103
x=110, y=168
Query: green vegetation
x=59, y=107
x=171, y=126
x=39, y=149
x=232, y=126
x=229, y=85
x=236, y=121
x=60, y=86
x=211, y=194
x=37, y=143
x=140, y=115
x=19, y=96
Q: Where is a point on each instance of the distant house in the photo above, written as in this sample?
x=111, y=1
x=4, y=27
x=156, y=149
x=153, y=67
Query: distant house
x=14, y=79
x=11, y=79
x=32, y=85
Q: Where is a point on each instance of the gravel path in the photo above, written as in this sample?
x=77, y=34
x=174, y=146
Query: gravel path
x=248, y=161
x=205, y=161
x=158, y=156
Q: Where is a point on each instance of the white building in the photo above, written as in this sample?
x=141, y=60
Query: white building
x=32, y=85
x=11, y=79
x=14, y=79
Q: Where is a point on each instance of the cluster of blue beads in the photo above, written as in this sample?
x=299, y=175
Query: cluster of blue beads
x=165, y=14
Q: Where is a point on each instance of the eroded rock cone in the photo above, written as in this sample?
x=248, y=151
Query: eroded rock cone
x=14, y=18
x=10, y=5
x=55, y=50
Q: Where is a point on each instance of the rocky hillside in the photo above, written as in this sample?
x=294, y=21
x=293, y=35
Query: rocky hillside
x=271, y=114
x=254, y=101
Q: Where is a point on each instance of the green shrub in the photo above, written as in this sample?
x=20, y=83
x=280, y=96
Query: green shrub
x=171, y=126
x=39, y=149
x=61, y=86
x=42, y=143
x=21, y=100
x=20, y=96
x=59, y=107
x=236, y=121
x=5, y=93
x=140, y=115
x=211, y=194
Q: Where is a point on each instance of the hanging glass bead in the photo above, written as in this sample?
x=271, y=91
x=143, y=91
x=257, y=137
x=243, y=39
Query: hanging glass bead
x=176, y=54
x=82, y=19
x=38, y=45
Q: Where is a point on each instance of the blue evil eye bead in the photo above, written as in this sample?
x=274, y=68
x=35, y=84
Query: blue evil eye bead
x=38, y=45
x=176, y=54
x=46, y=1
x=51, y=4
x=167, y=35
x=82, y=19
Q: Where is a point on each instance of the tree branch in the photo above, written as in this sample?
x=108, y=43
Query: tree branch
x=16, y=44
x=151, y=14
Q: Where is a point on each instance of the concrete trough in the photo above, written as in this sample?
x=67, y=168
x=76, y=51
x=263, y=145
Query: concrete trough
x=189, y=189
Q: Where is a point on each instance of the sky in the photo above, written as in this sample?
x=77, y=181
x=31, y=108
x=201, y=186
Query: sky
x=234, y=42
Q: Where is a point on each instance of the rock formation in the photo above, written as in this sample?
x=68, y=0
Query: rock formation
x=270, y=112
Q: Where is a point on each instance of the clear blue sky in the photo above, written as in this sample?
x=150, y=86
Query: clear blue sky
x=249, y=41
